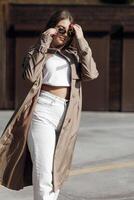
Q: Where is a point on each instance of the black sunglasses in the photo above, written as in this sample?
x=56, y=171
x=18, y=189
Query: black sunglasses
x=62, y=31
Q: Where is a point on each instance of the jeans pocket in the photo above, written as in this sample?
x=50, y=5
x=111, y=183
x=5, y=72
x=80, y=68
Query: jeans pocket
x=45, y=101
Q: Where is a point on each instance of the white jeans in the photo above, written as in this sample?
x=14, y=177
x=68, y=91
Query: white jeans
x=43, y=134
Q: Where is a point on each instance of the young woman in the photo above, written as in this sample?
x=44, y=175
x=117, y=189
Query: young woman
x=37, y=144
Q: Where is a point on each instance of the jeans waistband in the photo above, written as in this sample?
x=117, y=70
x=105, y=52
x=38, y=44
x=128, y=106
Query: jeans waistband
x=43, y=92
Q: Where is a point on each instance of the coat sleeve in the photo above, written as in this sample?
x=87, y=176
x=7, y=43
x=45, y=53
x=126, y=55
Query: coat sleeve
x=86, y=62
x=34, y=59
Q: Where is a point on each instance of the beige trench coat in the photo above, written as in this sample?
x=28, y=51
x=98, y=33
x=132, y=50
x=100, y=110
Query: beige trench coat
x=15, y=160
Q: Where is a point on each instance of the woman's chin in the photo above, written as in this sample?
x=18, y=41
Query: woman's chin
x=59, y=44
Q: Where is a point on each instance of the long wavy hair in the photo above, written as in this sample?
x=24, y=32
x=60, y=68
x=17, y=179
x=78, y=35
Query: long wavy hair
x=55, y=18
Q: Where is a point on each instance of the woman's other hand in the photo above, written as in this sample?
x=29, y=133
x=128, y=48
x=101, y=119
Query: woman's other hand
x=50, y=31
x=78, y=31
x=47, y=36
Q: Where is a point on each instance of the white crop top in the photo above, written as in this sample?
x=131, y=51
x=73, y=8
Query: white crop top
x=56, y=71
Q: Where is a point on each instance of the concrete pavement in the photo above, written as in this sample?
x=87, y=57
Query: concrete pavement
x=103, y=160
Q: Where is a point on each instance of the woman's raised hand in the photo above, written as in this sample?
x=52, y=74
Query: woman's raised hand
x=50, y=31
x=78, y=31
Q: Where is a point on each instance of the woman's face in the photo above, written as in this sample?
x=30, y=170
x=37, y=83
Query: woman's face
x=60, y=39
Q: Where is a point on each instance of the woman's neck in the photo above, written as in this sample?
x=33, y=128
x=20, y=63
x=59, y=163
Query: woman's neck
x=57, y=47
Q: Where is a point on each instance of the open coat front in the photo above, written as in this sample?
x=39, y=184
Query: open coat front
x=15, y=160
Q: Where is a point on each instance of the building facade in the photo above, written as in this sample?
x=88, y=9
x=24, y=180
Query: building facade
x=109, y=30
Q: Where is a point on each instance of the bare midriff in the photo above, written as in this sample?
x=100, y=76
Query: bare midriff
x=61, y=91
